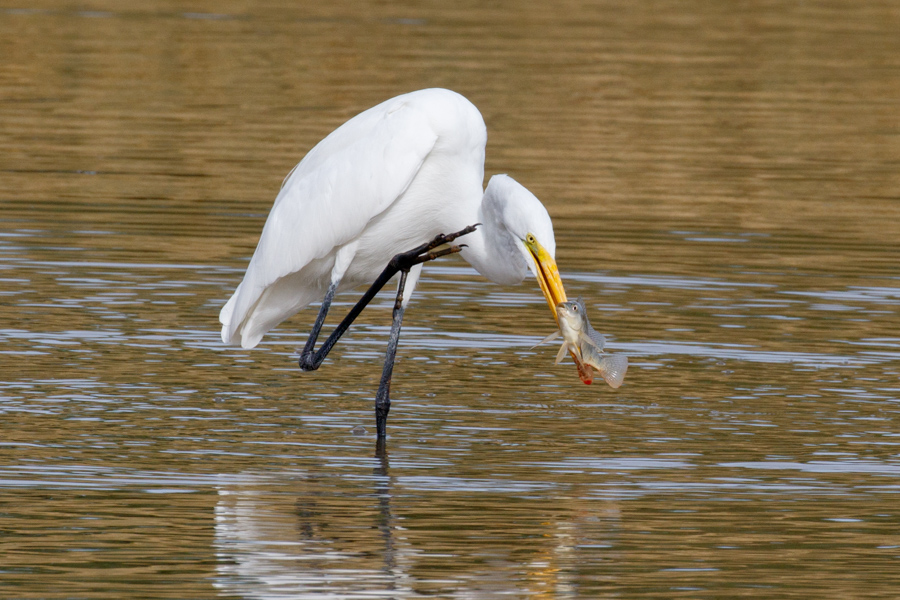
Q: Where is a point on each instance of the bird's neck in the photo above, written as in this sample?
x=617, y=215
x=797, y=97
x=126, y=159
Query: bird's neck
x=492, y=250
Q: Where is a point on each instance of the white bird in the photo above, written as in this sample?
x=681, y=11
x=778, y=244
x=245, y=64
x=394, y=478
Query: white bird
x=392, y=178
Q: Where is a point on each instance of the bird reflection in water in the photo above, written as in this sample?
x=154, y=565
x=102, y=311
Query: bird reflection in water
x=312, y=520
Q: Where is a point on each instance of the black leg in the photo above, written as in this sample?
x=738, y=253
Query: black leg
x=307, y=352
x=383, y=397
x=310, y=360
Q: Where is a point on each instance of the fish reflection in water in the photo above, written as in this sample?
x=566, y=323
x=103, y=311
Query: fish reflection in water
x=586, y=344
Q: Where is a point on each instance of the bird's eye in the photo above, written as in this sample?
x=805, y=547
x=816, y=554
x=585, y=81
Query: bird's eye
x=575, y=308
x=530, y=239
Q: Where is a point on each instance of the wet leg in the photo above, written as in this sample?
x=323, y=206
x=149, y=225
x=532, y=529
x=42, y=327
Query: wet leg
x=383, y=397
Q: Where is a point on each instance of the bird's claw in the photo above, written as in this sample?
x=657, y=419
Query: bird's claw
x=438, y=253
x=446, y=238
x=426, y=252
x=452, y=236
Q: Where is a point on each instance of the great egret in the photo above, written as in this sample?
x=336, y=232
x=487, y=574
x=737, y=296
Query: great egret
x=394, y=177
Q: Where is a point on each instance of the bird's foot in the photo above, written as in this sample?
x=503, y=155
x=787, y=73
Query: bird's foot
x=426, y=252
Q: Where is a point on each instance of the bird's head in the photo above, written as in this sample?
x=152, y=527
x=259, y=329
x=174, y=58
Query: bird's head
x=530, y=231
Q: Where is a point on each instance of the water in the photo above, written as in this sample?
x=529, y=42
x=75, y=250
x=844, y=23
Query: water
x=724, y=186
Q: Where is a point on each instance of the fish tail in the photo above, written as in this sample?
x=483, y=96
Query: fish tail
x=612, y=368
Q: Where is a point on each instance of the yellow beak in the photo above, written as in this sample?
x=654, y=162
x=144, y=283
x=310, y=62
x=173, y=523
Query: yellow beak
x=551, y=285
x=547, y=274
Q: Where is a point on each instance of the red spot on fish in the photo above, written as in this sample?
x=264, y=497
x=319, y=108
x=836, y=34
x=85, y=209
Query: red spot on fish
x=585, y=372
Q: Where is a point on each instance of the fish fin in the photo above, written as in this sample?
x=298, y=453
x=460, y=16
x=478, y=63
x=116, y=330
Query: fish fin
x=598, y=340
x=612, y=369
x=562, y=352
x=549, y=338
x=592, y=338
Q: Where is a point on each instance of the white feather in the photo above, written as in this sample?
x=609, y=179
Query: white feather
x=385, y=181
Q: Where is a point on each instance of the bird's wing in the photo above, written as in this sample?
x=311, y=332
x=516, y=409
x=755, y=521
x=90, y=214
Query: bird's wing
x=349, y=178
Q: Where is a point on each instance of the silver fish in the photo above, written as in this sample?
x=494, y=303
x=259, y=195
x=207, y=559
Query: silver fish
x=586, y=343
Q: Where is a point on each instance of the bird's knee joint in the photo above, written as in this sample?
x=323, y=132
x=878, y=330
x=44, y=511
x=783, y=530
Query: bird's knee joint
x=308, y=363
x=402, y=262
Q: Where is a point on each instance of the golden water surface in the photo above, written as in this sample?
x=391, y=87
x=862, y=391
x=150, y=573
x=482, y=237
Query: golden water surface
x=724, y=180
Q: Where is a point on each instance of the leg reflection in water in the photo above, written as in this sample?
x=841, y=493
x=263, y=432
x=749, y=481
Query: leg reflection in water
x=312, y=532
x=386, y=517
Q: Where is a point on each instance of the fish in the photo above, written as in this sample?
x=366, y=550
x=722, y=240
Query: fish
x=586, y=344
